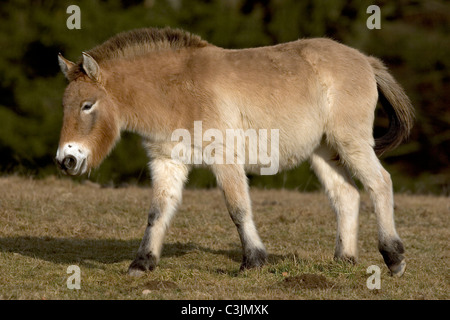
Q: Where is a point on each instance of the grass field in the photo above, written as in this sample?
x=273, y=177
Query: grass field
x=48, y=225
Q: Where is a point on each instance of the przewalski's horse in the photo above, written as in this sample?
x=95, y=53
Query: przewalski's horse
x=319, y=94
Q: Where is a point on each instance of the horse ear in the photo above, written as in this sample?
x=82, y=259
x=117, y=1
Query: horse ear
x=91, y=67
x=65, y=65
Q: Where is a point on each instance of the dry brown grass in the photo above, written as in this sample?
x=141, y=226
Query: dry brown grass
x=47, y=225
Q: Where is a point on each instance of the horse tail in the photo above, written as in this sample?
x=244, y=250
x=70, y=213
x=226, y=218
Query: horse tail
x=397, y=106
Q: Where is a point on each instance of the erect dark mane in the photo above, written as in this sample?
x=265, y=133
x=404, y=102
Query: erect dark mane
x=137, y=42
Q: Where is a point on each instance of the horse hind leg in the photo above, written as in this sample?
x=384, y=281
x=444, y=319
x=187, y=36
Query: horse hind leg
x=360, y=157
x=344, y=198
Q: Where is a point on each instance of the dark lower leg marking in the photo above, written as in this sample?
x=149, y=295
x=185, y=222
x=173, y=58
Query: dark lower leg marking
x=148, y=261
x=345, y=258
x=254, y=258
x=144, y=263
x=340, y=256
x=392, y=252
x=153, y=215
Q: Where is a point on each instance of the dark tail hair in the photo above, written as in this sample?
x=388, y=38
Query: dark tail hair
x=397, y=106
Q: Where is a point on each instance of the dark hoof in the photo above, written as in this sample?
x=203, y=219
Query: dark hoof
x=142, y=264
x=346, y=259
x=255, y=259
x=392, y=252
x=399, y=269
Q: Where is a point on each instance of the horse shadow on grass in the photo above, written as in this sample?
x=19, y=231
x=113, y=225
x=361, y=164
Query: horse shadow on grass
x=91, y=252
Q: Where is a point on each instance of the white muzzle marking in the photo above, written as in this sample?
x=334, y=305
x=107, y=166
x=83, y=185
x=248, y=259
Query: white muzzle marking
x=73, y=158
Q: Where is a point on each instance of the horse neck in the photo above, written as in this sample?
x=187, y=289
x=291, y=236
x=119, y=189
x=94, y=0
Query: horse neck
x=147, y=101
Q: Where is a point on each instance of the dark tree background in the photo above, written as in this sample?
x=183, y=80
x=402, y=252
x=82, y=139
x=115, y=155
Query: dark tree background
x=413, y=41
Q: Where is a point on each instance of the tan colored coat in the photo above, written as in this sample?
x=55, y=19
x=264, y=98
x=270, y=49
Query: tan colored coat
x=320, y=95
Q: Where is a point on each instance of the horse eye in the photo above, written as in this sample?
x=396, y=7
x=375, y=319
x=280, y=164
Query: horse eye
x=86, y=106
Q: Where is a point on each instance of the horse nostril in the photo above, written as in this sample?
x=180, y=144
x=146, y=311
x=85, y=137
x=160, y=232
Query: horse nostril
x=69, y=162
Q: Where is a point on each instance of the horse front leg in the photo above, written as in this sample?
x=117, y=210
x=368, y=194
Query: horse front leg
x=233, y=182
x=168, y=178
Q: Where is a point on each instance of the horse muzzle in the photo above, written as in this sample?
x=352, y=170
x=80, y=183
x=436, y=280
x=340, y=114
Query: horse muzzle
x=72, y=159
